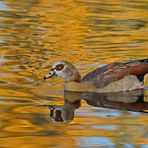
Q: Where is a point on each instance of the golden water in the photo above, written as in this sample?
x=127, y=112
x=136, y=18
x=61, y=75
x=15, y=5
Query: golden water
x=88, y=33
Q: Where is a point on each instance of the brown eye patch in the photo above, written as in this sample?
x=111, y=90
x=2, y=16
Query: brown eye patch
x=52, y=69
x=58, y=116
x=59, y=67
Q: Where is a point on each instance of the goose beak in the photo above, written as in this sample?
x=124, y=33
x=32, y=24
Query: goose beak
x=50, y=75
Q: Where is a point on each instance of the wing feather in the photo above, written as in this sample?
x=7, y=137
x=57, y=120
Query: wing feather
x=116, y=71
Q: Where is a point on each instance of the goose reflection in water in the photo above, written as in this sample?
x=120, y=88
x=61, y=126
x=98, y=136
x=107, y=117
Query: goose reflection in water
x=64, y=113
x=130, y=100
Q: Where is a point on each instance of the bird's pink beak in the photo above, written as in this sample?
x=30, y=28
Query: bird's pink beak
x=50, y=75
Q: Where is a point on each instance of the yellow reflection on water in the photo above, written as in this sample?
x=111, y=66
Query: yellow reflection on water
x=88, y=33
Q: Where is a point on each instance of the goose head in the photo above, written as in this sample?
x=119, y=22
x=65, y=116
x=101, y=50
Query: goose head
x=64, y=70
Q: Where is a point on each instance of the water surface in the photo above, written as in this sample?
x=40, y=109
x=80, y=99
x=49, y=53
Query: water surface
x=88, y=33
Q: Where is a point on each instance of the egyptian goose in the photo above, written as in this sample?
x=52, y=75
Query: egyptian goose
x=114, y=77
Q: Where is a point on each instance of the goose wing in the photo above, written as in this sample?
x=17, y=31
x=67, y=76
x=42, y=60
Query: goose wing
x=116, y=71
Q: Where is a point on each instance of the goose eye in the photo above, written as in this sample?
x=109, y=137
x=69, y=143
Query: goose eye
x=59, y=67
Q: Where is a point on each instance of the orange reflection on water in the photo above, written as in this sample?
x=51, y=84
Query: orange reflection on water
x=88, y=33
